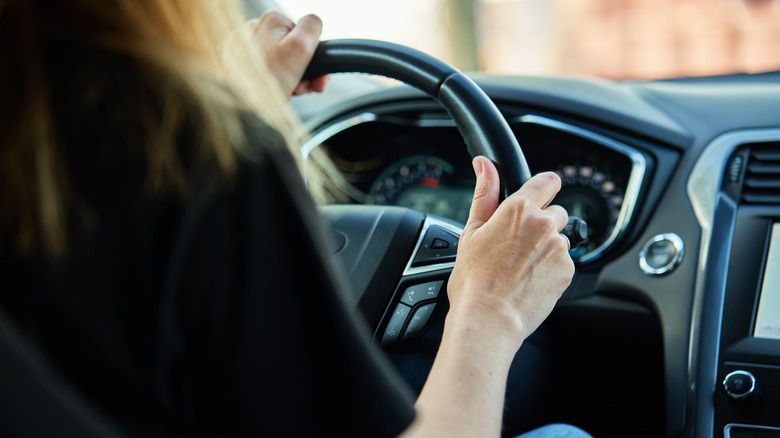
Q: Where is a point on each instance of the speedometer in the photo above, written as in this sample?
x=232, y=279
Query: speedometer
x=592, y=195
x=422, y=182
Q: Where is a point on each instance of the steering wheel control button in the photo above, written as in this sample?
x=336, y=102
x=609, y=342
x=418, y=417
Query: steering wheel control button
x=438, y=246
x=422, y=292
x=661, y=254
x=396, y=324
x=741, y=385
x=419, y=320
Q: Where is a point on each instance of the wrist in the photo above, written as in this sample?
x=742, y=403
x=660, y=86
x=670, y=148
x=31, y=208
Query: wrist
x=490, y=320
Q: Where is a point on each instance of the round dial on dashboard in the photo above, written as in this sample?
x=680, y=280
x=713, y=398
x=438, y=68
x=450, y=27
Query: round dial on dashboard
x=592, y=195
x=424, y=183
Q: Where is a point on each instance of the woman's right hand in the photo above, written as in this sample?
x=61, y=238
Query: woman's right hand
x=512, y=266
x=512, y=260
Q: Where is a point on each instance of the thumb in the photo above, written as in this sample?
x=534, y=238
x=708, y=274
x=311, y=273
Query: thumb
x=486, y=193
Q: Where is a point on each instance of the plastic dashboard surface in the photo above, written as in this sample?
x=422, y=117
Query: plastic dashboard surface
x=632, y=354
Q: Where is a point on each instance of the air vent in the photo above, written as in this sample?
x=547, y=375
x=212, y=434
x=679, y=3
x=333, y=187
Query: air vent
x=762, y=176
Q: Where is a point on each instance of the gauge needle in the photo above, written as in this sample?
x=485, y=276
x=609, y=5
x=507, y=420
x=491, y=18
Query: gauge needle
x=430, y=182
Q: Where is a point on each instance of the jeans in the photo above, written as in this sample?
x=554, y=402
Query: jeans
x=556, y=431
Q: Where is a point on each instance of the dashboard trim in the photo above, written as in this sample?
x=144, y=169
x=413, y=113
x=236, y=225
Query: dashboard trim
x=707, y=174
x=321, y=136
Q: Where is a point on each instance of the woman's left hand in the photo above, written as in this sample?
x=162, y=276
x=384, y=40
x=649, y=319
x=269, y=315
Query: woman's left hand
x=288, y=48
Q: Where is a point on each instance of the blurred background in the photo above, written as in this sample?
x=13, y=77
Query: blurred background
x=614, y=39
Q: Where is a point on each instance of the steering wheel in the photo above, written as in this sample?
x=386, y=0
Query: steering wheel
x=377, y=243
x=478, y=120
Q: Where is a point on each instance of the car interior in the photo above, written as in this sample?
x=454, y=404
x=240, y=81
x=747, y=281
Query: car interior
x=671, y=325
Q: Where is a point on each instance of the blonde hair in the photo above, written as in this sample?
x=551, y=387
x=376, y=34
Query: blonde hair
x=178, y=42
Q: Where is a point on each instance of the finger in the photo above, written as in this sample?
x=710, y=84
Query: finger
x=486, y=191
x=560, y=216
x=306, y=34
x=568, y=242
x=316, y=85
x=301, y=88
x=274, y=21
x=540, y=189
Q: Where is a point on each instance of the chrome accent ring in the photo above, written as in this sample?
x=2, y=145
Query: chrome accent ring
x=670, y=266
x=747, y=393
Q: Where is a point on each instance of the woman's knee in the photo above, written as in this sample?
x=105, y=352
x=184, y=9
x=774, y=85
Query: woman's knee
x=556, y=431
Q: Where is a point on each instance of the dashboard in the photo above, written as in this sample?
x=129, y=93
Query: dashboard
x=671, y=308
x=418, y=160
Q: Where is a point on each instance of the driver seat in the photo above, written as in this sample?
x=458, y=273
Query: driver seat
x=37, y=402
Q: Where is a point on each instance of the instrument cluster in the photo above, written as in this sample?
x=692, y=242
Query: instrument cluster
x=425, y=166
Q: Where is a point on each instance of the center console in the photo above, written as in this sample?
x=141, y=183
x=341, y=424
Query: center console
x=747, y=393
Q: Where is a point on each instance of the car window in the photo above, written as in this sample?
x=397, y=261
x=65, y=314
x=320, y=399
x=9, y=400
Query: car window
x=616, y=39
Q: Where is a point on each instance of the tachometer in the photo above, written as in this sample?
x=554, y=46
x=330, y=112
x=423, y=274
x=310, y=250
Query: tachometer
x=592, y=195
x=421, y=182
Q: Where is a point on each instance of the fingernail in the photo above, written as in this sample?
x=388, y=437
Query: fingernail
x=478, y=170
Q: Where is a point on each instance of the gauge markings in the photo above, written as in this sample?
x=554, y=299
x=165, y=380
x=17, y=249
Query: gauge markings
x=592, y=195
x=420, y=182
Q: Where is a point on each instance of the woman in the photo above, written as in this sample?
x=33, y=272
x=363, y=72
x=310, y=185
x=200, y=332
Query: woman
x=159, y=246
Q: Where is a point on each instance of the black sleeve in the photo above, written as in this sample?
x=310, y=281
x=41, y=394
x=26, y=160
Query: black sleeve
x=269, y=346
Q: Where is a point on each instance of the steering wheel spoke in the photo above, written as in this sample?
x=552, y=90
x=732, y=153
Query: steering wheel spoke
x=421, y=292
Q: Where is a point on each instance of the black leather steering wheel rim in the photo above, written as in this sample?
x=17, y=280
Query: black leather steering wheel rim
x=480, y=123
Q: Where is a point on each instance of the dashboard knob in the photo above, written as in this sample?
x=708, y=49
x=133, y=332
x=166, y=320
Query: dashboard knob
x=661, y=254
x=741, y=385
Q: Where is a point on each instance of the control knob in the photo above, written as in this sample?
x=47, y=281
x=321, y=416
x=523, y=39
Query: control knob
x=741, y=386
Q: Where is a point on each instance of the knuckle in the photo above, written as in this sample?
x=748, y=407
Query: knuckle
x=298, y=43
x=272, y=17
x=521, y=204
x=545, y=224
x=559, y=209
x=567, y=271
x=481, y=191
x=564, y=243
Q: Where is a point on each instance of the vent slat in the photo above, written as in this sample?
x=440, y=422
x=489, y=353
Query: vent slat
x=756, y=183
x=762, y=177
x=766, y=155
x=764, y=169
x=753, y=198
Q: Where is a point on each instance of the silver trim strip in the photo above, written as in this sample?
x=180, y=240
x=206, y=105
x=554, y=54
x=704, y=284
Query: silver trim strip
x=322, y=135
x=707, y=175
x=637, y=174
x=728, y=427
x=430, y=221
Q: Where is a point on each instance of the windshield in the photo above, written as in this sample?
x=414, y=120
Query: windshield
x=615, y=39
